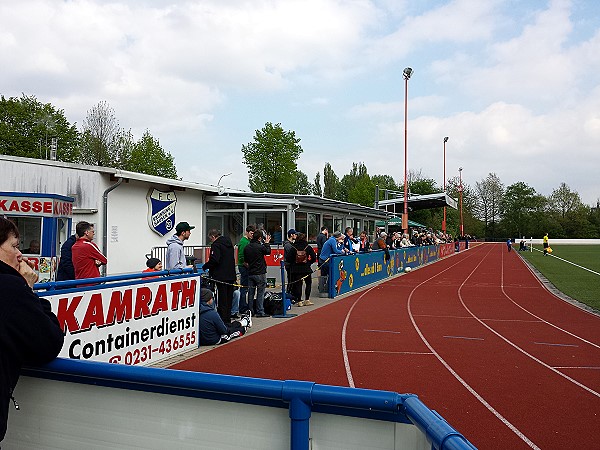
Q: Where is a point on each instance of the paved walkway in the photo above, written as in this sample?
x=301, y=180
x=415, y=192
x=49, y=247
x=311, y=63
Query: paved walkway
x=258, y=324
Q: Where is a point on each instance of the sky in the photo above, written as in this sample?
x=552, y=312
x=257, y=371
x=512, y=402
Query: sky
x=515, y=85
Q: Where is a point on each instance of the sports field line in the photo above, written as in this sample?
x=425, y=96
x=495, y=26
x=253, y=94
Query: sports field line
x=455, y=374
x=567, y=261
x=534, y=315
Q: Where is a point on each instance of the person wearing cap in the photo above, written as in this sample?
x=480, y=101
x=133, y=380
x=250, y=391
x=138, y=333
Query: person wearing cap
x=175, y=257
x=213, y=330
x=333, y=246
x=153, y=265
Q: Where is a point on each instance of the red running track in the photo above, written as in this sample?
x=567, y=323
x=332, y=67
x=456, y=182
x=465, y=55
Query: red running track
x=476, y=336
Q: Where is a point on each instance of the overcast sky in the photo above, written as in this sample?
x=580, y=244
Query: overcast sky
x=514, y=84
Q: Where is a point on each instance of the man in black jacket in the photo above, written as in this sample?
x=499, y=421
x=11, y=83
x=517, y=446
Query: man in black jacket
x=29, y=331
x=221, y=267
x=65, y=270
x=254, y=257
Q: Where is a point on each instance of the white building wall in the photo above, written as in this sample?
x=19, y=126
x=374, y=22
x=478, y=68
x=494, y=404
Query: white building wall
x=130, y=237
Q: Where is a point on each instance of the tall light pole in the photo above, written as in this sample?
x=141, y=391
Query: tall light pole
x=407, y=73
x=444, y=221
x=460, y=192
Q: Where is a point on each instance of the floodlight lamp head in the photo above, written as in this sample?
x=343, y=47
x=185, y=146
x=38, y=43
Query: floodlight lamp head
x=407, y=73
x=446, y=139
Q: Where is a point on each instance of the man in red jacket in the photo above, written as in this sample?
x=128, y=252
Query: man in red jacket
x=86, y=255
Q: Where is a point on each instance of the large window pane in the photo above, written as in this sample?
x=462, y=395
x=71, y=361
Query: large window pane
x=30, y=229
x=272, y=222
x=313, y=227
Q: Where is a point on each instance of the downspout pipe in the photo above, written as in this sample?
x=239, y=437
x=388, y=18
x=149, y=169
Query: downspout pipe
x=105, y=219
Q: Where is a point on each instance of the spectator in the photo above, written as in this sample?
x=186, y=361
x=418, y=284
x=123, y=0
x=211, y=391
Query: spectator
x=212, y=328
x=153, y=265
x=254, y=257
x=322, y=238
x=333, y=246
x=242, y=268
x=365, y=245
x=65, y=270
x=235, y=305
x=29, y=331
x=522, y=246
x=87, y=257
x=221, y=267
x=380, y=244
x=175, y=258
x=300, y=258
x=350, y=240
x=34, y=248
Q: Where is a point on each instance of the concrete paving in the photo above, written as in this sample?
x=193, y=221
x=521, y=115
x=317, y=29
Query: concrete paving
x=258, y=324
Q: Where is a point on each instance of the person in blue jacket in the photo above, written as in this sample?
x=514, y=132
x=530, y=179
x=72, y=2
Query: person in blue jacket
x=333, y=246
x=213, y=330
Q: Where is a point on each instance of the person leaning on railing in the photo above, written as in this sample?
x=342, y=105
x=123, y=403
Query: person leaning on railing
x=29, y=331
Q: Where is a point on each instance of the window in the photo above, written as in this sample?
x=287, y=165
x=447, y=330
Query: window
x=272, y=222
x=338, y=225
x=313, y=227
x=328, y=222
x=230, y=224
x=30, y=229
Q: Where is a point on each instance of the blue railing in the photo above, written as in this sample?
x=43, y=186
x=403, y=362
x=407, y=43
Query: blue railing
x=300, y=397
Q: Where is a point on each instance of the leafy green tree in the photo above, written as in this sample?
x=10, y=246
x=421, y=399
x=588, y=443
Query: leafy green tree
x=147, y=156
x=317, y=189
x=356, y=186
x=302, y=185
x=489, y=193
x=384, y=182
x=271, y=159
x=28, y=128
x=331, y=183
x=521, y=209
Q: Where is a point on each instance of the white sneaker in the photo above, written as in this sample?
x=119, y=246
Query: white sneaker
x=248, y=317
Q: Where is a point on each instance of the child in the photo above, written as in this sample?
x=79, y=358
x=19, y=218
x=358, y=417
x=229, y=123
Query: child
x=154, y=265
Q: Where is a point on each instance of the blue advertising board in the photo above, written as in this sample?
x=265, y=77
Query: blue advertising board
x=351, y=272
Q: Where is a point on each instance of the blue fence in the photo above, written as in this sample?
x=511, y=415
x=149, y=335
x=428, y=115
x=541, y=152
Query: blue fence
x=301, y=398
x=351, y=272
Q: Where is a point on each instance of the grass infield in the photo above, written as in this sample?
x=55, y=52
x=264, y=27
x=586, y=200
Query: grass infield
x=574, y=281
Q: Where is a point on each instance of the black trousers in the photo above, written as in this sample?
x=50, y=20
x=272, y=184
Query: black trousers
x=225, y=299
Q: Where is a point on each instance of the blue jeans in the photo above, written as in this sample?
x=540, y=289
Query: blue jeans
x=257, y=284
x=235, y=304
x=244, y=288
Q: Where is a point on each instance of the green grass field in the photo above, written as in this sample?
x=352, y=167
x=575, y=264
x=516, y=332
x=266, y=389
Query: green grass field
x=574, y=281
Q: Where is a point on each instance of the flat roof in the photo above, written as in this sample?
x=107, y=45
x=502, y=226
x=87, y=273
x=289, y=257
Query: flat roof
x=418, y=202
x=308, y=201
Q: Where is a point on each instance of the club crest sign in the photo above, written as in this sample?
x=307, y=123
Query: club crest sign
x=161, y=211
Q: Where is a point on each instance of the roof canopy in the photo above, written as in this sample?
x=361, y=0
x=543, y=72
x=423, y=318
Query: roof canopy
x=417, y=202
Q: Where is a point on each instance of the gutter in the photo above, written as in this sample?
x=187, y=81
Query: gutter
x=105, y=219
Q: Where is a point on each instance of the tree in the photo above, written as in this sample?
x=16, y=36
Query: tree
x=147, y=156
x=331, y=183
x=317, y=189
x=489, y=192
x=522, y=208
x=356, y=186
x=28, y=128
x=100, y=137
x=302, y=186
x=271, y=159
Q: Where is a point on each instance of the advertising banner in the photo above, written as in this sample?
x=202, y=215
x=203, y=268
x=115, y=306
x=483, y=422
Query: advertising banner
x=137, y=323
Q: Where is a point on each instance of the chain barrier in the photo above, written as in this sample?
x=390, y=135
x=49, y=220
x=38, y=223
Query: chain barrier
x=237, y=285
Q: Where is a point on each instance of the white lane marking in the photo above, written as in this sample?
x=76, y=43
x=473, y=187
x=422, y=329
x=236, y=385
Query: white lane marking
x=577, y=367
x=456, y=375
x=465, y=337
x=515, y=346
x=538, y=317
x=384, y=331
x=556, y=345
x=393, y=353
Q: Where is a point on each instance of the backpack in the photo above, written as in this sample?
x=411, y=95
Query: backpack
x=301, y=256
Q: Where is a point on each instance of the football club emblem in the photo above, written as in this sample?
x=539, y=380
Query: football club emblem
x=161, y=211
